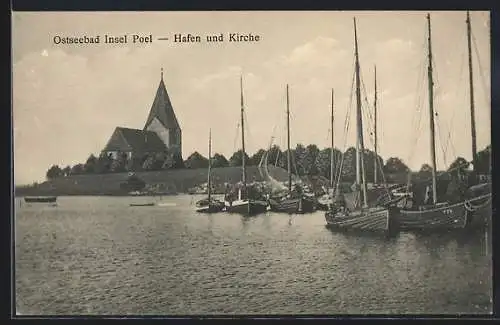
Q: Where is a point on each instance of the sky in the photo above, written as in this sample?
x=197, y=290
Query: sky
x=68, y=99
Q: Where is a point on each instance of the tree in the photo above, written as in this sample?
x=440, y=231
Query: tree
x=77, y=169
x=483, y=161
x=119, y=164
x=219, y=160
x=135, y=164
x=168, y=162
x=425, y=172
x=66, y=171
x=235, y=159
x=90, y=165
x=309, y=161
x=133, y=183
x=196, y=160
x=54, y=172
x=274, y=154
x=103, y=163
x=159, y=160
x=395, y=165
x=283, y=160
x=349, y=165
x=301, y=160
x=323, y=161
x=255, y=159
x=459, y=166
x=178, y=162
x=148, y=163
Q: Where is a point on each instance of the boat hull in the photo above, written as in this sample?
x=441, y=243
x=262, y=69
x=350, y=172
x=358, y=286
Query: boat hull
x=141, y=204
x=376, y=220
x=480, y=211
x=446, y=217
x=323, y=203
x=40, y=199
x=294, y=205
x=210, y=208
x=247, y=207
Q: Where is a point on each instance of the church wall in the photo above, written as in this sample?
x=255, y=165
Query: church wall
x=176, y=140
x=160, y=130
x=114, y=154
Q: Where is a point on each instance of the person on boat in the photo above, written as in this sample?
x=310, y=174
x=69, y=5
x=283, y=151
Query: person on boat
x=428, y=195
x=339, y=204
x=456, y=188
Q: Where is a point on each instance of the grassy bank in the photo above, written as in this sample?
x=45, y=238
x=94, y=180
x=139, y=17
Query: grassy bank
x=175, y=181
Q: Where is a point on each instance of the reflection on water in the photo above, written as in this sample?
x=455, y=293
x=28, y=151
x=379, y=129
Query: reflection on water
x=97, y=255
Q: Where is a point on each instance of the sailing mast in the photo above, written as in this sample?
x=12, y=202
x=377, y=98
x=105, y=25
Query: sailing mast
x=431, y=113
x=471, y=94
x=289, y=168
x=209, y=164
x=375, y=166
x=361, y=146
x=332, y=156
x=243, y=162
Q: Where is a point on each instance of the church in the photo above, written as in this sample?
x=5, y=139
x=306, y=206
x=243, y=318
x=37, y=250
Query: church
x=161, y=132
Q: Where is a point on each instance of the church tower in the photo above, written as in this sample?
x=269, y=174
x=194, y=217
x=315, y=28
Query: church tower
x=163, y=122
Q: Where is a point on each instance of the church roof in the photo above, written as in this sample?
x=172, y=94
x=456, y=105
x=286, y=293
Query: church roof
x=125, y=139
x=162, y=108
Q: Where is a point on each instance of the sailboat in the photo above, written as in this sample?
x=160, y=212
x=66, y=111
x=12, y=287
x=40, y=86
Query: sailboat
x=325, y=200
x=295, y=199
x=376, y=219
x=244, y=199
x=439, y=215
x=481, y=208
x=380, y=191
x=209, y=204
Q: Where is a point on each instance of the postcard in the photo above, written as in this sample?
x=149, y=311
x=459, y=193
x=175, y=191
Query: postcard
x=252, y=163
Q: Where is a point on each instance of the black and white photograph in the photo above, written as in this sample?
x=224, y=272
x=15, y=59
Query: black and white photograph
x=252, y=163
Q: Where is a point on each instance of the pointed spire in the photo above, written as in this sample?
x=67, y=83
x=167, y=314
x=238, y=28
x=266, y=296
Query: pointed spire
x=162, y=108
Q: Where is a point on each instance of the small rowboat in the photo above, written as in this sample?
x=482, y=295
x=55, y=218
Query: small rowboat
x=142, y=204
x=40, y=199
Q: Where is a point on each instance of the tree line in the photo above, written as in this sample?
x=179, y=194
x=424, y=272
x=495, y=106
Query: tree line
x=305, y=161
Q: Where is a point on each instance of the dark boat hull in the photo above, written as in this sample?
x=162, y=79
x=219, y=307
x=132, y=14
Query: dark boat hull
x=41, y=199
x=480, y=211
x=142, y=204
x=371, y=220
x=294, y=205
x=247, y=207
x=445, y=217
x=322, y=205
x=210, y=208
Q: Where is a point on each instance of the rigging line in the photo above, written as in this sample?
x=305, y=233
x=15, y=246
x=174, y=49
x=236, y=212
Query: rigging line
x=417, y=116
x=236, y=137
x=338, y=168
x=248, y=137
x=338, y=172
x=439, y=129
x=481, y=71
x=448, y=141
x=460, y=76
x=338, y=175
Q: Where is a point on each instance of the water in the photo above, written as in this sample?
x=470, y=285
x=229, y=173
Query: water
x=97, y=255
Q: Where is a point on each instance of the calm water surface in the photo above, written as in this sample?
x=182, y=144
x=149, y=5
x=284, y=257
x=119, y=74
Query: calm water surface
x=97, y=255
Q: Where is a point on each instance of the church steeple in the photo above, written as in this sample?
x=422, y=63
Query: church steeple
x=162, y=119
x=162, y=108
